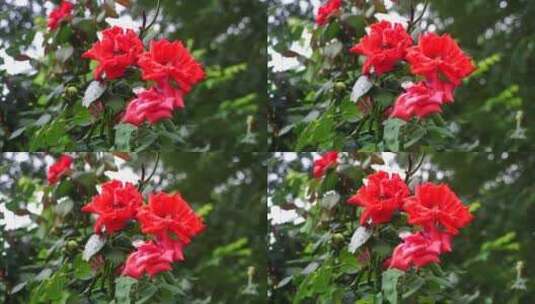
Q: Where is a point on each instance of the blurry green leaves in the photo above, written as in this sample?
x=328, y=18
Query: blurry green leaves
x=392, y=134
x=333, y=49
x=216, y=75
x=82, y=269
x=318, y=132
x=123, y=286
x=123, y=136
x=52, y=289
x=484, y=65
x=318, y=285
x=389, y=285
x=64, y=53
x=508, y=99
x=237, y=248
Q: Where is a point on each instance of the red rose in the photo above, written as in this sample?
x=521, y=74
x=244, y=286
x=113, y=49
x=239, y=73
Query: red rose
x=419, y=249
x=115, y=205
x=169, y=213
x=434, y=205
x=153, y=257
x=380, y=197
x=117, y=50
x=59, y=14
x=327, y=160
x=153, y=105
x=59, y=169
x=328, y=10
x=439, y=59
x=418, y=101
x=384, y=46
x=170, y=60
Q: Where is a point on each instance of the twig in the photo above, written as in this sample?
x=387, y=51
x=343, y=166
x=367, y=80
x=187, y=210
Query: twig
x=426, y=4
x=413, y=21
x=144, y=28
x=410, y=171
x=143, y=181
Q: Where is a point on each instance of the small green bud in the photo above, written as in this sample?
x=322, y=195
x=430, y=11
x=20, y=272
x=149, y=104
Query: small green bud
x=338, y=239
x=71, y=91
x=72, y=245
x=340, y=86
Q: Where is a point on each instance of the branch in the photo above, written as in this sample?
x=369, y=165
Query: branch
x=144, y=28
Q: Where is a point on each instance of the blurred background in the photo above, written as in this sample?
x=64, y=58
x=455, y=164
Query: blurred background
x=224, y=264
x=493, y=109
x=224, y=112
x=492, y=259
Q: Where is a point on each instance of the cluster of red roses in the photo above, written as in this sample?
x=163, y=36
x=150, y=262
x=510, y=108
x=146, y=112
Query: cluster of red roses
x=168, y=64
x=436, y=209
x=437, y=58
x=167, y=217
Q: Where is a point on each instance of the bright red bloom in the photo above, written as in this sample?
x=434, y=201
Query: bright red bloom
x=117, y=50
x=327, y=11
x=59, y=14
x=59, y=169
x=153, y=257
x=439, y=58
x=380, y=197
x=169, y=213
x=384, y=46
x=170, y=60
x=437, y=206
x=419, y=101
x=327, y=160
x=115, y=205
x=419, y=249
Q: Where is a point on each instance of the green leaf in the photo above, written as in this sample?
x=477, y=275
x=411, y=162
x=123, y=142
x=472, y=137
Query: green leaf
x=392, y=132
x=17, y=133
x=82, y=269
x=123, y=135
x=93, y=245
x=333, y=49
x=360, y=88
x=93, y=92
x=43, y=120
x=147, y=293
x=389, y=285
x=63, y=54
x=64, y=207
x=359, y=238
x=122, y=289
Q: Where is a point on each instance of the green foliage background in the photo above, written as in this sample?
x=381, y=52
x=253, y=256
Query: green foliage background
x=491, y=261
x=42, y=110
x=224, y=264
x=308, y=111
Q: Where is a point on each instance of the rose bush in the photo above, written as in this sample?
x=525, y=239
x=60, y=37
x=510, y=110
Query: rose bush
x=96, y=81
x=408, y=69
x=114, y=228
x=382, y=228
